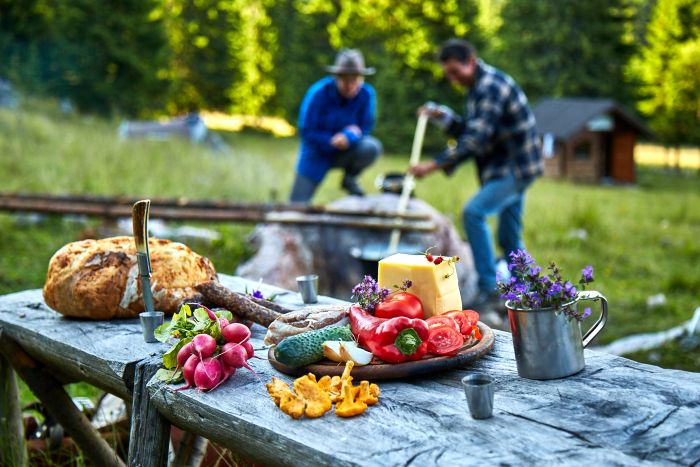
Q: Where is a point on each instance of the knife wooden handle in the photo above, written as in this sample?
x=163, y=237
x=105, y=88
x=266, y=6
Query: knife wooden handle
x=139, y=217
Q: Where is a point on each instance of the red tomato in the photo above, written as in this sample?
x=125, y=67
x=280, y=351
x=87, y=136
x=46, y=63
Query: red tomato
x=461, y=320
x=476, y=333
x=472, y=316
x=442, y=320
x=400, y=304
x=444, y=340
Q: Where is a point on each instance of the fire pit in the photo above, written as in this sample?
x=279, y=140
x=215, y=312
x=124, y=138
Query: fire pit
x=341, y=255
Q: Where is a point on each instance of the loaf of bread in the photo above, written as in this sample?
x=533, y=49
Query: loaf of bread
x=99, y=279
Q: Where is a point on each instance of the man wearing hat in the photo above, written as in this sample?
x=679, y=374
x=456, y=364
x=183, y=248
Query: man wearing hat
x=498, y=131
x=335, y=121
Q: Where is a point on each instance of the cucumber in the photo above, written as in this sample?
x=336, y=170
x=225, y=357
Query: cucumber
x=306, y=348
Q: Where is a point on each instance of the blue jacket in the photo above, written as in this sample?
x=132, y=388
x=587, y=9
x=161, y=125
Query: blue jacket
x=324, y=112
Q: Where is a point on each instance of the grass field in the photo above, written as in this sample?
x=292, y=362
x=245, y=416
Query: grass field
x=642, y=240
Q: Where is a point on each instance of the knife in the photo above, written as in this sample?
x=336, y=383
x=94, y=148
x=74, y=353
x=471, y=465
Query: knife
x=139, y=217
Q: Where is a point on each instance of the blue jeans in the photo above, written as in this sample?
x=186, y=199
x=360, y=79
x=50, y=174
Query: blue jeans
x=505, y=197
x=353, y=161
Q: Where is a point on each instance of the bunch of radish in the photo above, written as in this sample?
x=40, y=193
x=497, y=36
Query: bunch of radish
x=206, y=369
x=209, y=351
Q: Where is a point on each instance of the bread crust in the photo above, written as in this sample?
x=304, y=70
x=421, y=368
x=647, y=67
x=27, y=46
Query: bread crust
x=98, y=279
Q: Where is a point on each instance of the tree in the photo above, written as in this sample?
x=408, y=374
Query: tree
x=398, y=38
x=104, y=59
x=667, y=68
x=567, y=48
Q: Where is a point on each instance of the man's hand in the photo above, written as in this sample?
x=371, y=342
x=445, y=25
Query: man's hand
x=421, y=170
x=354, y=129
x=340, y=141
x=431, y=109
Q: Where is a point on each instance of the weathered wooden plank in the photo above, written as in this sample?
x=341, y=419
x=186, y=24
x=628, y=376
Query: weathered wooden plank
x=6, y=198
x=610, y=413
x=614, y=412
x=150, y=432
x=59, y=404
x=103, y=353
x=12, y=447
x=286, y=298
x=215, y=214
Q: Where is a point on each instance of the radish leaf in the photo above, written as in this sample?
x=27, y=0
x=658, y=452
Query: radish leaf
x=169, y=376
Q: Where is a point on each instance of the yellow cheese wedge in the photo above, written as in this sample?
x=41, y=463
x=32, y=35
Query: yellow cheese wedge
x=439, y=294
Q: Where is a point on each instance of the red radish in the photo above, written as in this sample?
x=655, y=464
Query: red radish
x=207, y=374
x=184, y=354
x=249, y=349
x=223, y=322
x=236, y=333
x=211, y=314
x=188, y=371
x=235, y=355
x=204, y=345
x=226, y=373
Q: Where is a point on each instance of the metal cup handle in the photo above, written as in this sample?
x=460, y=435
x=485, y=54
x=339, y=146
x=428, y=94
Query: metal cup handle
x=602, y=319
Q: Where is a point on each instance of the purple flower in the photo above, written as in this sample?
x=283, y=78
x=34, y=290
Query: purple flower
x=586, y=313
x=519, y=261
x=528, y=288
x=257, y=294
x=509, y=296
x=554, y=289
x=368, y=293
x=534, y=272
x=569, y=289
x=534, y=299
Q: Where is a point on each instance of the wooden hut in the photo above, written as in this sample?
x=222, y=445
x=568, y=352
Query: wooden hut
x=588, y=139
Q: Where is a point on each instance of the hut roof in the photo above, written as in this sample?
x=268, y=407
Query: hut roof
x=564, y=117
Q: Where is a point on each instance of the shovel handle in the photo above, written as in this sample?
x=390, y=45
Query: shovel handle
x=409, y=179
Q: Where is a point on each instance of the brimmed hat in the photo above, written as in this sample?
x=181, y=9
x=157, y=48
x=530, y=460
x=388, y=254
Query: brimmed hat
x=350, y=62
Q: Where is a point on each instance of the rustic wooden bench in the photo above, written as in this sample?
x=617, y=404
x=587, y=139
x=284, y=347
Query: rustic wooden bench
x=616, y=411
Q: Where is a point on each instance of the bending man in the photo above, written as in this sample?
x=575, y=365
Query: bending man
x=498, y=131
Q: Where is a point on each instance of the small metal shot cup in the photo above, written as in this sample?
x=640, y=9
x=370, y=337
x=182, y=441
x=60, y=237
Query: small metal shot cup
x=478, y=388
x=150, y=320
x=308, y=287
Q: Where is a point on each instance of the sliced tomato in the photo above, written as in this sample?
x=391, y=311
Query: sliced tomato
x=472, y=316
x=476, y=333
x=442, y=320
x=461, y=319
x=444, y=340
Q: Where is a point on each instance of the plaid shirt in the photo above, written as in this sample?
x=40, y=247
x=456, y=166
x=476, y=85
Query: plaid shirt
x=498, y=130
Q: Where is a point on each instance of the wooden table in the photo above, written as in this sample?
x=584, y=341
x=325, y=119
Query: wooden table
x=615, y=412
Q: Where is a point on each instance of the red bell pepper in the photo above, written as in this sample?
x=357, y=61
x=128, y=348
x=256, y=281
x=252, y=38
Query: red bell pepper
x=393, y=340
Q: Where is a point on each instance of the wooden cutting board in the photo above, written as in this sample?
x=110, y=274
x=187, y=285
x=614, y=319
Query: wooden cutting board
x=380, y=370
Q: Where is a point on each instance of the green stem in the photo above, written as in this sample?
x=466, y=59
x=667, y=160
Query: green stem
x=407, y=341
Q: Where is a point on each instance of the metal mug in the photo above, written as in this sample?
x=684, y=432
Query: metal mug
x=547, y=343
x=308, y=287
x=150, y=320
x=478, y=388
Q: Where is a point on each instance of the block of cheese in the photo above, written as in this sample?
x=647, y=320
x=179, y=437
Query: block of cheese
x=439, y=294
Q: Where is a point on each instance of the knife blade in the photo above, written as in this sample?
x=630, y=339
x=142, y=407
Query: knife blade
x=139, y=217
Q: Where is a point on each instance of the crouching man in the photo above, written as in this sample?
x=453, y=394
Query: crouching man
x=335, y=121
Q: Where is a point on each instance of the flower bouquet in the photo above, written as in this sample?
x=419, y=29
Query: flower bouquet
x=545, y=318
